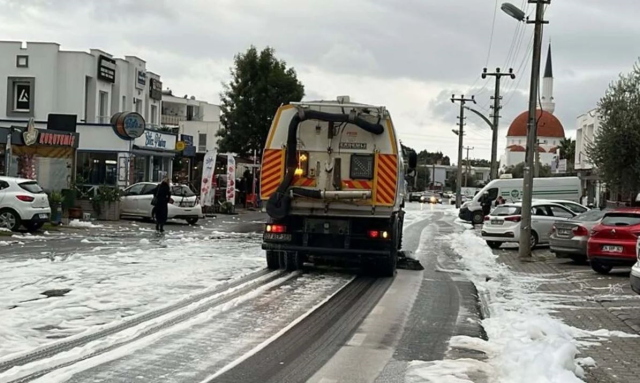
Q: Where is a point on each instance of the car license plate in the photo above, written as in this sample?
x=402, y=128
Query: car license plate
x=564, y=232
x=43, y=216
x=612, y=249
x=497, y=222
x=277, y=237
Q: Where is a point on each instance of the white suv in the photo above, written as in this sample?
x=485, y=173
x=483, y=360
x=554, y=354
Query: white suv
x=22, y=202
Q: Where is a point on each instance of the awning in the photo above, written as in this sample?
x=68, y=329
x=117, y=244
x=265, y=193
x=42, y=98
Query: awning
x=155, y=153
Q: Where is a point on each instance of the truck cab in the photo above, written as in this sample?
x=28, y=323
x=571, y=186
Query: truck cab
x=333, y=178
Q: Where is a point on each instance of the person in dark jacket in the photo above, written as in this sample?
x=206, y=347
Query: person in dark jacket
x=485, y=202
x=163, y=197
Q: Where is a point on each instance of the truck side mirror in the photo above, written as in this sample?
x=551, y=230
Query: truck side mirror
x=413, y=160
x=410, y=174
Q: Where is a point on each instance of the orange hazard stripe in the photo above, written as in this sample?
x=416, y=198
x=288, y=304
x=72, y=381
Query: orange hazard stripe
x=386, y=179
x=305, y=182
x=272, y=171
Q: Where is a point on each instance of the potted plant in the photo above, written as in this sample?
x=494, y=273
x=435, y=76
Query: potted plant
x=71, y=198
x=56, y=200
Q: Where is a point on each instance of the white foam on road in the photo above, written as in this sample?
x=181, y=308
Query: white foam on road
x=526, y=343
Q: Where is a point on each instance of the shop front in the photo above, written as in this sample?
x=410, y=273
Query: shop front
x=42, y=154
x=153, y=155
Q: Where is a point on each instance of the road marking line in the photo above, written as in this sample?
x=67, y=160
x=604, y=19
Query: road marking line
x=357, y=340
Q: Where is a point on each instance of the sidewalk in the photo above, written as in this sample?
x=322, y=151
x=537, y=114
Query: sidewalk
x=592, y=302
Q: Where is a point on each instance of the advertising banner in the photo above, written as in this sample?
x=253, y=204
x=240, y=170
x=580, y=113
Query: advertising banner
x=207, y=190
x=231, y=179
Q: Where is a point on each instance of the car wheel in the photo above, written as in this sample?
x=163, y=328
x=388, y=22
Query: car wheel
x=192, y=221
x=33, y=226
x=477, y=218
x=600, y=268
x=579, y=259
x=533, y=241
x=9, y=219
x=494, y=244
x=273, y=262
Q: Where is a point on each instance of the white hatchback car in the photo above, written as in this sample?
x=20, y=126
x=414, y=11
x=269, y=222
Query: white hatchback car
x=136, y=201
x=23, y=202
x=503, y=223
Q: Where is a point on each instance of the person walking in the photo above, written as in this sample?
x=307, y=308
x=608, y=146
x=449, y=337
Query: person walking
x=162, y=198
x=485, y=202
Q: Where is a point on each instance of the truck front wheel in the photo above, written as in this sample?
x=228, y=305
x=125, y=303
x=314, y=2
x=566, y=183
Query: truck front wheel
x=478, y=217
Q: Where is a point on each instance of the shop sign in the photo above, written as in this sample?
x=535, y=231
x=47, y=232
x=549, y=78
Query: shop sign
x=141, y=78
x=180, y=146
x=30, y=136
x=187, y=139
x=207, y=188
x=155, y=89
x=57, y=139
x=155, y=140
x=106, y=69
x=23, y=97
x=128, y=125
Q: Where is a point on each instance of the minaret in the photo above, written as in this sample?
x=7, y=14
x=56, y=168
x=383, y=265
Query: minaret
x=548, y=104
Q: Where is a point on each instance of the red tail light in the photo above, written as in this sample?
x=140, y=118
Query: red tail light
x=515, y=218
x=486, y=218
x=276, y=229
x=580, y=231
x=373, y=233
x=25, y=198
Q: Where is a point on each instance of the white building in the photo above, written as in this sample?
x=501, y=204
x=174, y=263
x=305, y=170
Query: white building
x=197, y=119
x=587, y=127
x=441, y=173
x=40, y=80
x=550, y=130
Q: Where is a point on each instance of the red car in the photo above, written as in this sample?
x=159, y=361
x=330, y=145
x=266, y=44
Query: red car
x=613, y=241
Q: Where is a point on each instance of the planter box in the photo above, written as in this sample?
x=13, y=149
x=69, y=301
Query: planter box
x=110, y=212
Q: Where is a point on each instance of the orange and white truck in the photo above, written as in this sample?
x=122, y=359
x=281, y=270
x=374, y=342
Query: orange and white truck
x=333, y=178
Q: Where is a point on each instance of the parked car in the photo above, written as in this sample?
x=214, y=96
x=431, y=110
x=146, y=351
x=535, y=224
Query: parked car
x=23, y=202
x=569, y=238
x=136, y=201
x=613, y=242
x=503, y=223
x=430, y=197
x=415, y=196
x=573, y=206
x=635, y=270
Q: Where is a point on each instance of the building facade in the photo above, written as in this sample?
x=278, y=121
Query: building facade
x=439, y=174
x=587, y=127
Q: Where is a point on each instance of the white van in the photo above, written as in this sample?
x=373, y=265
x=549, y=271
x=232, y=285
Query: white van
x=552, y=188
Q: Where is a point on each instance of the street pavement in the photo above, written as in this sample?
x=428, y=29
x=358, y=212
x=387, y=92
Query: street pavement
x=590, y=301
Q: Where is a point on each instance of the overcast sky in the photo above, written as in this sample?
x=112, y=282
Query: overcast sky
x=409, y=55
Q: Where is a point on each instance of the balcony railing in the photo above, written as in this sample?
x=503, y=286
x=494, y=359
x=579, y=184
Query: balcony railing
x=172, y=120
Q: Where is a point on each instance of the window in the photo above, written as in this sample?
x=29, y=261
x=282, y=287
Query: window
x=591, y=216
x=22, y=61
x=621, y=219
x=20, y=96
x=97, y=168
x=4, y=185
x=149, y=189
x=560, y=212
x=134, y=190
x=31, y=187
x=154, y=112
x=574, y=207
x=103, y=105
x=202, y=142
x=138, y=105
x=493, y=193
x=539, y=211
x=503, y=211
x=181, y=191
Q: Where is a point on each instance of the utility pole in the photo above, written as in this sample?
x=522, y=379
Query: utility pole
x=537, y=166
x=532, y=133
x=496, y=116
x=466, y=173
x=462, y=100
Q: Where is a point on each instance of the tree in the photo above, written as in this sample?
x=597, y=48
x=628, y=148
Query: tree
x=517, y=171
x=615, y=149
x=260, y=83
x=568, y=152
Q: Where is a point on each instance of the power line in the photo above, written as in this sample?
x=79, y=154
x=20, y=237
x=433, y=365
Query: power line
x=493, y=27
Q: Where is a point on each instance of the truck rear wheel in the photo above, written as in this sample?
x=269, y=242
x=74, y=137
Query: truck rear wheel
x=386, y=267
x=273, y=263
x=292, y=261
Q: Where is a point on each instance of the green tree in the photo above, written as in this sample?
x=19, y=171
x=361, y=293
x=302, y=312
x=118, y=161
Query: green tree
x=615, y=149
x=568, y=152
x=517, y=171
x=259, y=84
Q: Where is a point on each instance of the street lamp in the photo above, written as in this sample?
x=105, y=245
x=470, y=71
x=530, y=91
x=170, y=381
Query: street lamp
x=527, y=238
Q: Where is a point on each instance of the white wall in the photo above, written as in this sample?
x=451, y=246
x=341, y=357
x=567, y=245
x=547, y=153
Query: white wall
x=515, y=158
x=94, y=137
x=194, y=128
x=587, y=126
